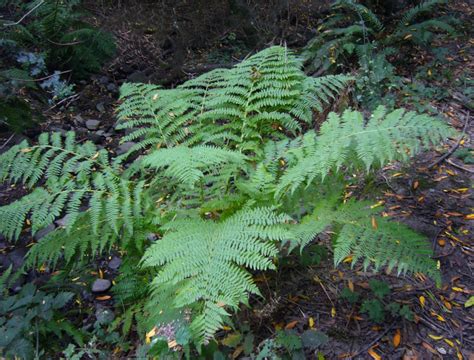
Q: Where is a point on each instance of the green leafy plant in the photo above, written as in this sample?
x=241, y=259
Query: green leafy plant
x=67, y=42
x=231, y=170
x=375, y=305
x=29, y=318
x=354, y=31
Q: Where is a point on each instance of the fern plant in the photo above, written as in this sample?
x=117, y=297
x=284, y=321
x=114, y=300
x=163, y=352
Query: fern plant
x=231, y=169
x=353, y=25
x=68, y=42
x=355, y=33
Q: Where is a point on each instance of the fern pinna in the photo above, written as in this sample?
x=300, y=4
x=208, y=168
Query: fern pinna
x=231, y=169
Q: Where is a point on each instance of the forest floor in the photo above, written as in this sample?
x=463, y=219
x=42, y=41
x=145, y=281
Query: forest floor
x=433, y=195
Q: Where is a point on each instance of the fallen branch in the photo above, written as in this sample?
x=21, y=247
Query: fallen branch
x=24, y=16
x=455, y=146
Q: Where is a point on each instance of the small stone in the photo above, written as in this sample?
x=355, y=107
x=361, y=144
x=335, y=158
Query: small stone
x=125, y=147
x=100, y=107
x=43, y=232
x=152, y=237
x=442, y=350
x=92, y=124
x=63, y=221
x=78, y=120
x=104, y=80
x=104, y=316
x=112, y=88
x=101, y=285
x=115, y=263
x=100, y=133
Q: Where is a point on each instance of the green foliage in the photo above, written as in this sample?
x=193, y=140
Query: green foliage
x=68, y=43
x=355, y=32
x=211, y=276
x=230, y=173
x=265, y=95
x=31, y=317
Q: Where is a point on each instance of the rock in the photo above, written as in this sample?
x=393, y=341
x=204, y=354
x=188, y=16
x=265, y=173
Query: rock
x=125, y=147
x=104, y=315
x=115, y=263
x=100, y=133
x=78, y=120
x=101, y=285
x=104, y=80
x=63, y=221
x=152, y=237
x=112, y=88
x=16, y=258
x=100, y=107
x=43, y=232
x=92, y=124
x=442, y=350
x=138, y=77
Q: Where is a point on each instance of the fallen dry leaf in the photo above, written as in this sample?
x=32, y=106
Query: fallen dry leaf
x=397, y=338
x=374, y=355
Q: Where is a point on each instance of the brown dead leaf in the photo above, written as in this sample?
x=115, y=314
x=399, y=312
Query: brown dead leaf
x=374, y=355
x=103, y=298
x=397, y=338
x=429, y=347
x=291, y=325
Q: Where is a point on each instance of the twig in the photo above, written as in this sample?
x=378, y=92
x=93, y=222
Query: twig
x=455, y=146
x=372, y=343
x=459, y=166
x=24, y=16
x=6, y=142
x=45, y=77
x=72, y=98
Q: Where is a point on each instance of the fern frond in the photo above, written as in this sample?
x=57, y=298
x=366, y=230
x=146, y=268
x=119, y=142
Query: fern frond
x=410, y=16
x=349, y=140
x=228, y=107
x=207, y=261
x=365, y=14
x=374, y=240
x=71, y=176
x=187, y=165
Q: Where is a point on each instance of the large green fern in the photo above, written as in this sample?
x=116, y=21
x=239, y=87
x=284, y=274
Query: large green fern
x=267, y=94
x=220, y=183
x=205, y=263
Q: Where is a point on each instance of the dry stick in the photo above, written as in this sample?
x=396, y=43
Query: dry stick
x=6, y=142
x=24, y=16
x=43, y=78
x=455, y=146
x=459, y=166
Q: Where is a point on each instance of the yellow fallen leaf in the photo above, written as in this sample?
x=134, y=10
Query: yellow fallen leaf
x=333, y=312
x=348, y=259
x=408, y=37
x=150, y=334
x=374, y=355
x=380, y=203
x=374, y=223
x=449, y=342
x=435, y=337
x=226, y=328
x=351, y=285
x=311, y=322
x=103, y=298
x=458, y=289
x=459, y=355
x=397, y=338
x=422, y=301
x=172, y=344
x=440, y=318
x=469, y=217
